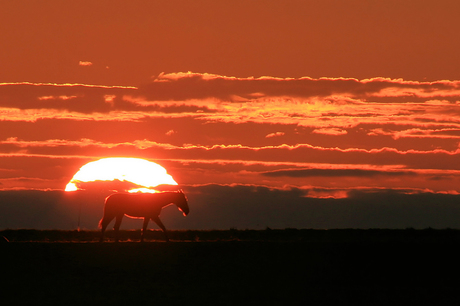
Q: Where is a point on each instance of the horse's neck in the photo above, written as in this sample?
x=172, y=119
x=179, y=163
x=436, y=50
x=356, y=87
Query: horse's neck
x=166, y=205
x=171, y=200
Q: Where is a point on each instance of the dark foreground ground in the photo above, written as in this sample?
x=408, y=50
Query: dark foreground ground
x=270, y=267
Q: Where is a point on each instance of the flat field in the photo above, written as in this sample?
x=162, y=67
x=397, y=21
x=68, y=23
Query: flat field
x=234, y=267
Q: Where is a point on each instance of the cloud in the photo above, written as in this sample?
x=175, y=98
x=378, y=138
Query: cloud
x=209, y=120
x=331, y=106
x=20, y=100
x=446, y=133
x=277, y=134
x=269, y=165
x=145, y=144
x=335, y=173
x=59, y=148
x=210, y=85
x=81, y=98
x=190, y=86
x=85, y=63
x=330, y=131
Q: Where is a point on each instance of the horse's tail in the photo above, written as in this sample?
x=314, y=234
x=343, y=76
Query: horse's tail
x=102, y=219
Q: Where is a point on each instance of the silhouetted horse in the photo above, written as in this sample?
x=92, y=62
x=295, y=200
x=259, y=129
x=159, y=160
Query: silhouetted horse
x=146, y=205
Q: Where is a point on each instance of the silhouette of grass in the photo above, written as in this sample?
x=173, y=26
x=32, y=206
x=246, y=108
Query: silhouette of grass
x=232, y=267
x=286, y=235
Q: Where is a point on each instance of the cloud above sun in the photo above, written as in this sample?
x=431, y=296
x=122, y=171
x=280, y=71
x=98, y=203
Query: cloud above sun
x=330, y=131
x=276, y=134
x=85, y=63
x=218, y=129
x=331, y=106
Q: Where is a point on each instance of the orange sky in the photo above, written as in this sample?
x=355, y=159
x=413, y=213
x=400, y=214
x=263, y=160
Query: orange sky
x=328, y=98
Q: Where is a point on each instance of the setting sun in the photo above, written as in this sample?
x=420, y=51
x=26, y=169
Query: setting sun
x=142, y=174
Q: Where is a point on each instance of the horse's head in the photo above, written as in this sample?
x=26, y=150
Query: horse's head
x=182, y=203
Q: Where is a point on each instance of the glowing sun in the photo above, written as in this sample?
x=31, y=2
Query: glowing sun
x=139, y=174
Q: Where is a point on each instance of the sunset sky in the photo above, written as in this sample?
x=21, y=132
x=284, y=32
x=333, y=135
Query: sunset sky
x=307, y=114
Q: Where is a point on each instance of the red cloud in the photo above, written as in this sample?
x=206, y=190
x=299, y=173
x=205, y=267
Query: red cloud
x=446, y=133
x=274, y=134
x=85, y=63
x=330, y=131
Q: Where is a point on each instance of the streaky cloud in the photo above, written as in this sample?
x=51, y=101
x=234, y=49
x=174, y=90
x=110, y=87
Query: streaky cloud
x=330, y=131
x=331, y=106
x=145, y=144
x=226, y=87
x=336, y=173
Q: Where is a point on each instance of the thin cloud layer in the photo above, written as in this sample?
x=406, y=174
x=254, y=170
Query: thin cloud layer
x=203, y=86
x=335, y=173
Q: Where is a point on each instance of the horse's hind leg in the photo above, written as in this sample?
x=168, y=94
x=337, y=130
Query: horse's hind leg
x=116, y=227
x=144, y=227
x=103, y=224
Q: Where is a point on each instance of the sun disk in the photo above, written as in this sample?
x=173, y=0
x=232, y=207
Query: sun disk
x=140, y=172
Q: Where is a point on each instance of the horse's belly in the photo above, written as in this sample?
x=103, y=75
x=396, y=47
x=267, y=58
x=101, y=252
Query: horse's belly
x=135, y=217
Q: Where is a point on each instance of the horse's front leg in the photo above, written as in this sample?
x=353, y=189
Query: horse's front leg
x=144, y=227
x=160, y=224
x=116, y=227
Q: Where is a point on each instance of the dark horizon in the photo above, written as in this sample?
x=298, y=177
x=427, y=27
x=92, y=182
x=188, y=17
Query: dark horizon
x=215, y=207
